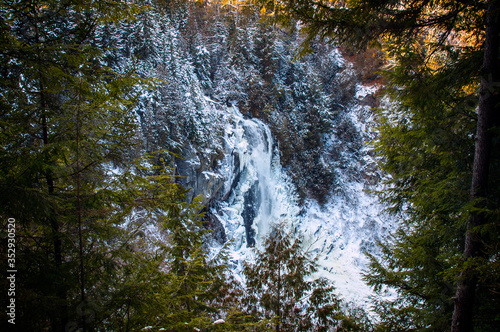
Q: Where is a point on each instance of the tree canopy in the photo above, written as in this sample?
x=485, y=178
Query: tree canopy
x=84, y=196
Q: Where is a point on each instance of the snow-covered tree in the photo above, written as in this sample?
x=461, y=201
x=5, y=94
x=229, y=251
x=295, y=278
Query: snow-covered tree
x=280, y=289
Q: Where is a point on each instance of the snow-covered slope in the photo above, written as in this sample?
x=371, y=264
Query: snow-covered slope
x=258, y=192
x=261, y=136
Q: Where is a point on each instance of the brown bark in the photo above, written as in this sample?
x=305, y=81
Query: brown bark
x=462, y=320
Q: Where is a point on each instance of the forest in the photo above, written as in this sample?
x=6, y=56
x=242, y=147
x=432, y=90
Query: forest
x=208, y=165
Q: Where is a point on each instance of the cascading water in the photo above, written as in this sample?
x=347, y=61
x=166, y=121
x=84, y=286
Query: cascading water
x=257, y=193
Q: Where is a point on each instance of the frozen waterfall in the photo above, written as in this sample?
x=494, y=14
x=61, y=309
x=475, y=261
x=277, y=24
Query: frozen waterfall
x=257, y=192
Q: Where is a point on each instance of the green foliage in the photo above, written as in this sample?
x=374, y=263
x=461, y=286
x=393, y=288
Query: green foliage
x=361, y=23
x=85, y=211
x=200, y=286
x=279, y=291
x=427, y=142
x=65, y=122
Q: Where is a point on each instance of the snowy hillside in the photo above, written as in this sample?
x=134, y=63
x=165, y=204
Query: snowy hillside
x=261, y=137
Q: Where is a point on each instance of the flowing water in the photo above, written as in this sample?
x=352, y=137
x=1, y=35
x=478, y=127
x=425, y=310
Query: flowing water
x=258, y=194
x=257, y=191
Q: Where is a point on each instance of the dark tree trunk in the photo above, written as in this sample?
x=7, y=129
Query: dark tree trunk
x=488, y=101
x=59, y=322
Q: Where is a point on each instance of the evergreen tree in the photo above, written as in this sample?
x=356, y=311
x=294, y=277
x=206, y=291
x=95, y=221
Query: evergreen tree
x=169, y=280
x=279, y=291
x=67, y=135
x=428, y=148
x=197, y=281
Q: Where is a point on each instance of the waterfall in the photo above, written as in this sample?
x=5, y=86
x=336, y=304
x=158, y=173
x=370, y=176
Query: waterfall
x=257, y=192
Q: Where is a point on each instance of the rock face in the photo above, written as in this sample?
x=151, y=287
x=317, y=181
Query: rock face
x=193, y=174
x=238, y=191
x=251, y=205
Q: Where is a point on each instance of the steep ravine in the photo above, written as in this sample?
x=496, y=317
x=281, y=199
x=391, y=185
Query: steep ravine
x=261, y=136
x=254, y=191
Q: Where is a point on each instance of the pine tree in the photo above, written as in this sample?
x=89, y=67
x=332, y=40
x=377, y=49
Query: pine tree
x=426, y=140
x=279, y=291
x=66, y=126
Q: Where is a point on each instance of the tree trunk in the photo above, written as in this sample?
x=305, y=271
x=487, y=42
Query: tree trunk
x=79, y=212
x=488, y=99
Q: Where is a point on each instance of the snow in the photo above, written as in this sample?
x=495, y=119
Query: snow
x=338, y=233
x=350, y=222
x=208, y=174
x=365, y=90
